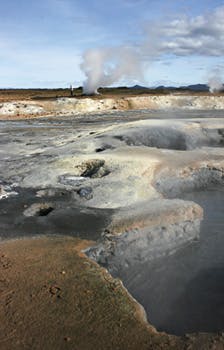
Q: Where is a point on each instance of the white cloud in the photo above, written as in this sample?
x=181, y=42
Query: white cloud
x=184, y=36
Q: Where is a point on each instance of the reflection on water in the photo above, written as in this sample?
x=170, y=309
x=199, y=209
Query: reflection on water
x=184, y=292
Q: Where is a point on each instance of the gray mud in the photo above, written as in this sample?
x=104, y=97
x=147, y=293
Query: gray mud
x=65, y=216
x=183, y=292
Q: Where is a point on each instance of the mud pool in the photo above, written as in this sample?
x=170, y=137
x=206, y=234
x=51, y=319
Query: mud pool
x=183, y=292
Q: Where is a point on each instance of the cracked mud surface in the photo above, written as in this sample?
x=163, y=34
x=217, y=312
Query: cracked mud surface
x=89, y=176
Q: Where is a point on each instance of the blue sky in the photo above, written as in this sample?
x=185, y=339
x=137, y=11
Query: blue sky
x=42, y=42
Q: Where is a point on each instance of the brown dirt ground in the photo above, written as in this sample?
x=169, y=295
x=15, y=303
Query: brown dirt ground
x=11, y=95
x=53, y=297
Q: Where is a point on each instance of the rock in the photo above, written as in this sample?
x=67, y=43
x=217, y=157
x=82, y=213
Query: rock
x=85, y=192
x=71, y=180
x=94, y=168
x=3, y=193
x=67, y=339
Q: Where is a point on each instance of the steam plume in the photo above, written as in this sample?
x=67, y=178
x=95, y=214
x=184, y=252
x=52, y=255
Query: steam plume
x=215, y=82
x=106, y=66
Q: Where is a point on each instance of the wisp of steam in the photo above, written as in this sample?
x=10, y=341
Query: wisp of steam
x=215, y=83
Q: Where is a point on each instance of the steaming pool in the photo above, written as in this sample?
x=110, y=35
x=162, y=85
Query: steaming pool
x=183, y=293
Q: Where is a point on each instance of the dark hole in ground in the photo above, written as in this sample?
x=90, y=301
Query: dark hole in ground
x=100, y=149
x=184, y=292
x=221, y=133
x=45, y=211
x=38, y=209
x=103, y=148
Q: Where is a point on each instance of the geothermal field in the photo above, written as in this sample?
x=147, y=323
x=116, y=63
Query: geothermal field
x=111, y=222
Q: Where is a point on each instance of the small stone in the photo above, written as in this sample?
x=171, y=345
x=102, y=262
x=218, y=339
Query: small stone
x=3, y=193
x=68, y=339
x=54, y=290
x=85, y=192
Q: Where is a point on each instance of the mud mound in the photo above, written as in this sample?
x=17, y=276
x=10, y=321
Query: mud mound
x=160, y=137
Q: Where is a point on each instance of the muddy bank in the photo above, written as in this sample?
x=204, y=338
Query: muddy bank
x=142, y=234
x=76, y=106
x=51, y=298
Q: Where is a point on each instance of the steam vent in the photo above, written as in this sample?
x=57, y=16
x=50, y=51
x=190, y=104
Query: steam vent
x=111, y=222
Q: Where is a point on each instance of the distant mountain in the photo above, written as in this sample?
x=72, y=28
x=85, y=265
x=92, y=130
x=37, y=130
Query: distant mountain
x=139, y=87
x=194, y=87
x=162, y=87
